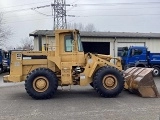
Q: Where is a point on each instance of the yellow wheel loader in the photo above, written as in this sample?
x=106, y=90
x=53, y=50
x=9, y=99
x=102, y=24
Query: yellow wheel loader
x=64, y=63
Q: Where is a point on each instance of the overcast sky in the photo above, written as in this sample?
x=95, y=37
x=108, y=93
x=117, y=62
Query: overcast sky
x=106, y=15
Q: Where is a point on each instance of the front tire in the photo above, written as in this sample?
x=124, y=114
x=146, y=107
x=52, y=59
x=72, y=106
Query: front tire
x=108, y=81
x=156, y=71
x=41, y=83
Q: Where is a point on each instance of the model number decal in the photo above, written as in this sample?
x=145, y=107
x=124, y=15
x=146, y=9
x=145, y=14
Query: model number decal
x=19, y=56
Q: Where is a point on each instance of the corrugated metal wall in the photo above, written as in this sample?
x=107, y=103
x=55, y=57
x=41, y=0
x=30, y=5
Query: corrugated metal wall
x=152, y=44
x=36, y=42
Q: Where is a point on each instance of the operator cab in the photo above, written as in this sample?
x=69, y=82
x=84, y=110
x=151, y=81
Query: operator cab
x=70, y=42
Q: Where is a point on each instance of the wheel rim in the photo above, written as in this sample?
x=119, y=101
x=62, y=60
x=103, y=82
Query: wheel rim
x=110, y=82
x=155, y=72
x=40, y=84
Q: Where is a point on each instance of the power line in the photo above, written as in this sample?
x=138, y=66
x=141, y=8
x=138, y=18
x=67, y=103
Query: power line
x=72, y=6
x=24, y=4
x=78, y=10
x=116, y=15
x=116, y=8
x=31, y=8
x=75, y=5
x=93, y=15
x=63, y=12
x=104, y=4
x=28, y=20
x=87, y=4
x=85, y=16
x=19, y=10
x=30, y=14
x=41, y=13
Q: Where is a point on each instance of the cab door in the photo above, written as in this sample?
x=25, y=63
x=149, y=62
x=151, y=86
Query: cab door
x=71, y=49
x=135, y=56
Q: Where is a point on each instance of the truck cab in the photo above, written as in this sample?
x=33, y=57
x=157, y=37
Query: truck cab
x=134, y=56
x=4, y=66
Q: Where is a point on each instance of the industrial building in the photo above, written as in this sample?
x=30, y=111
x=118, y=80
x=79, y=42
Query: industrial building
x=102, y=42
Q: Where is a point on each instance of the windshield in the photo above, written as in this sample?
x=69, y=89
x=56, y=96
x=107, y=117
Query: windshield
x=124, y=53
x=80, y=47
x=6, y=55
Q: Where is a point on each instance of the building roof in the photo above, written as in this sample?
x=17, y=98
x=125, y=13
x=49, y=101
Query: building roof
x=102, y=34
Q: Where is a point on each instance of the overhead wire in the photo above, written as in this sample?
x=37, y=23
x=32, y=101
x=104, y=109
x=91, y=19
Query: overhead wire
x=28, y=20
x=115, y=15
x=34, y=8
x=27, y=14
x=31, y=8
x=25, y=4
x=87, y=10
x=41, y=13
x=132, y=3
x=118, y=8
x=140, y=3
x=84, y=16
x=76, y=5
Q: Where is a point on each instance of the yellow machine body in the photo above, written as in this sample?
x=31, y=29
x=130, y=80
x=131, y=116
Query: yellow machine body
x=66, y=64
x=60, y=61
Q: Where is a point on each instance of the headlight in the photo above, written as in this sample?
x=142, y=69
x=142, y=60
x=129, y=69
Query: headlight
x=4, y=62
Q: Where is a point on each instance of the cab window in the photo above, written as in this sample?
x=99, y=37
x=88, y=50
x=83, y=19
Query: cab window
x=80, y=47
x=136, y=52
x=68, y=43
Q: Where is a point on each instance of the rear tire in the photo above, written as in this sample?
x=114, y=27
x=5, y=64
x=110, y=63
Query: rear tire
x=41, y=83
x=108, y=81
x=156, y=71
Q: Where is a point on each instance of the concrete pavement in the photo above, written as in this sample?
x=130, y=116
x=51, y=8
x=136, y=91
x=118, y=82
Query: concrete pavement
x=81, y=103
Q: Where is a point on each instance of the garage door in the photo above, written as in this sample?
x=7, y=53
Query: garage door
x=120, y=45
x=97, y=47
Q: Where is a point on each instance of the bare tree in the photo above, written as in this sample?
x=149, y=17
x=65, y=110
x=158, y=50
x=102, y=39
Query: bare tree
x=78, y=26
x=89, y=27
x=26, y=44
x=5, y=31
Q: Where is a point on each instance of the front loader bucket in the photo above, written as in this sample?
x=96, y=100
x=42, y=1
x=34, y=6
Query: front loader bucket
x=140, y=81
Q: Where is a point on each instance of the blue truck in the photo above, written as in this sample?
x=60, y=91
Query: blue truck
x=4, y=66
x=140, y=56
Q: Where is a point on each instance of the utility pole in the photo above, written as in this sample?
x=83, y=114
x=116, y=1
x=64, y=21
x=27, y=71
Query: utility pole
x=59, y=8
